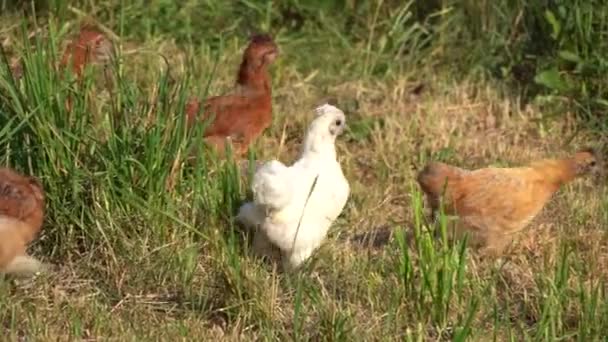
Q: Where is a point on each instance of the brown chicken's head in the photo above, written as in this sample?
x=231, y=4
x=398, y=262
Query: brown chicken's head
x=90, y=47
x=588, y=161
x=97, y=43
x=261, y=50
x=37, y=189
x=21, y=196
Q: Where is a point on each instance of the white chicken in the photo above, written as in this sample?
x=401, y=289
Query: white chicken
x=294, y=206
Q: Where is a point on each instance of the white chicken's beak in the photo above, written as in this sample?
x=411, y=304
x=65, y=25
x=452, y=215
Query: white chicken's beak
x=342, y=128
x=338, y=130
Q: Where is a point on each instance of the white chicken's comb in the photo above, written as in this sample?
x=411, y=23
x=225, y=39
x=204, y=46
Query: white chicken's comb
x=326, y=108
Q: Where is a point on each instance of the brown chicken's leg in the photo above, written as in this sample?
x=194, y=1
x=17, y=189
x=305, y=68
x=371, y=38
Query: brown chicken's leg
x=263, y=248
x=494, y=245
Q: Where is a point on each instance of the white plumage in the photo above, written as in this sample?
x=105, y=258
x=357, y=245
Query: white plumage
x=284, y=210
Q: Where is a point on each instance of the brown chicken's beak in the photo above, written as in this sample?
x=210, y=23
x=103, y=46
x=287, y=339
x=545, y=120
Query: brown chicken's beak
x=600, y=173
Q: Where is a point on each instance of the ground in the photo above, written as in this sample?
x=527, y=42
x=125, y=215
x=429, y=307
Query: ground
x=135, y=259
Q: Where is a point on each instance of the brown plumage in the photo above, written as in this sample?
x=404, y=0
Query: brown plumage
x=90, y=47
x=21, y=217
x=494, y=203
x=243, y=115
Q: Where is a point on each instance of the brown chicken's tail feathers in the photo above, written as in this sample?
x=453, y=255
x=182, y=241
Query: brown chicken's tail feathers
x=23, y=265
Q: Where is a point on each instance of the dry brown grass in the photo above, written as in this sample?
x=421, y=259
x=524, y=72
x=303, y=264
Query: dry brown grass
x=150, y=279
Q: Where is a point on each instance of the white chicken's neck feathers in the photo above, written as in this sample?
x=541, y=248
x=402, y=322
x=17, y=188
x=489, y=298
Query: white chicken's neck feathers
x=321, y=152
x=318, y=146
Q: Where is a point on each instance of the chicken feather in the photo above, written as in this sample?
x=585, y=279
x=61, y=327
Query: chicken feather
x=294, y=206
x=241, y=116
x=21, y=218
x=495, y=203
x=272, y=185
x=91, y=47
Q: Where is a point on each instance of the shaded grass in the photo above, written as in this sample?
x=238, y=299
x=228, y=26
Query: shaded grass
x=147, y=250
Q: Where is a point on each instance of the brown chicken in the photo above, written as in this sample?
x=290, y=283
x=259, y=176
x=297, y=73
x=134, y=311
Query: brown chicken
x=239, y=118
x=16, y=68
x=494, y=203
x=90, y=47
x=21, y=217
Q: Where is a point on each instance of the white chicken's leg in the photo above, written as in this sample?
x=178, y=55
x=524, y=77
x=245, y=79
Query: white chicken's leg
x=293, y=259
x=261, y=245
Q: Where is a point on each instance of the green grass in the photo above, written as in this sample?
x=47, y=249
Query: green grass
x=144, y=245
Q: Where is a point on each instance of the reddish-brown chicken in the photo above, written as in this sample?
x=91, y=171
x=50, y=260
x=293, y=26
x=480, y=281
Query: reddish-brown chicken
x=240, y=117
x=494, y=203
x=90, y=47
x=16, y=68
x=21, y=218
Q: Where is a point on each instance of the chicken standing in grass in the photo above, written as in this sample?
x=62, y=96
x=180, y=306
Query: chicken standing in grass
x=294, y=206
x=90, y=47
x=21, y=217
x=240, y=117
x=493, y=204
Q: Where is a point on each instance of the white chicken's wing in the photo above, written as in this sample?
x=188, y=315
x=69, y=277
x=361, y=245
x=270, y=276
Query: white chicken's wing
x=294, y=206
x=272, y=186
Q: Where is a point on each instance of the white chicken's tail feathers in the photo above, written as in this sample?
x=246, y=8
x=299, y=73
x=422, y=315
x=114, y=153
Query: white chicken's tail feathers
x=250, y=215
x=23, y=265
x=272, y=186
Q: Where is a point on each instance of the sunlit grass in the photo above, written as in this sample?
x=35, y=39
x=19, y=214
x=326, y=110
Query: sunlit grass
x=142, y=239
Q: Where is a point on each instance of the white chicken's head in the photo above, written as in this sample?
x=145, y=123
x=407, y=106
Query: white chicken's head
x=331, y=117
x=329, y=122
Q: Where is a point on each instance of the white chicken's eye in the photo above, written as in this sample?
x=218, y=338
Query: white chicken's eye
x=338, y=122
